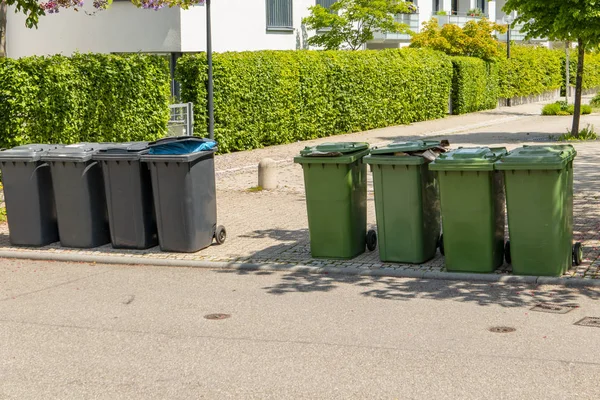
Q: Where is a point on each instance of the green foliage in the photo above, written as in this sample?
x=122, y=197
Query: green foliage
x=530, y=71
x=595, y=102
x=87, y=97
x=563, y=108
x=351, y=23
x=586, y=133
x=275, y=97
x=31, y=8
x=474, y=85
x=476, y=39
x=591, y=70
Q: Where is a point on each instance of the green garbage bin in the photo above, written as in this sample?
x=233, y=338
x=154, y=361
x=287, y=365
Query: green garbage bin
x=406, y=202
x=335, y=181
x=539, y=195
x=472, y=203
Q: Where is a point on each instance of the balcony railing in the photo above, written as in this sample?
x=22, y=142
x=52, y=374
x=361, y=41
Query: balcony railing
x=517, y=35
x=456, y=19
x=412, y=20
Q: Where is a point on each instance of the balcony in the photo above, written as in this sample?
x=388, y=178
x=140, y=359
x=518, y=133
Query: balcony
x=517, y=36
x=412, y=20
x=459, y=19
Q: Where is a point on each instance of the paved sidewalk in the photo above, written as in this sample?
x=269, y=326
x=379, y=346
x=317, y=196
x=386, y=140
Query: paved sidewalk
x=271, y=227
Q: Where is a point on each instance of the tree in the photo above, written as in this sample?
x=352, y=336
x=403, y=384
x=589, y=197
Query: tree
x=476, y=39
x=562, y=20
x=34, y=9
x=350, y=24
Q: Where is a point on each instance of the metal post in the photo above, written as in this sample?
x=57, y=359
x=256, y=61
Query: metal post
x=508, y=101
x=211, y=109
x=568, y=72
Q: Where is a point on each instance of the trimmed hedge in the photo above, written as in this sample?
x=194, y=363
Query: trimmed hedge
x=530, y=71
x=86, y=97
x=274, y=97
x=474, y=85
x=591, y=70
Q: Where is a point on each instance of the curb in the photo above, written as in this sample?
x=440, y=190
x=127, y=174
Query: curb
x=303, y=269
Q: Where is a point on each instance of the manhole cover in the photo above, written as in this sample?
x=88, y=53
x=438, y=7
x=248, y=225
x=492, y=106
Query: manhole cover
x=502, y=329
x=217, y=316
x=589, y=321
x=552, y=308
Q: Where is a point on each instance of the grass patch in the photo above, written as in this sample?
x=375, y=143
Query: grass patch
x=255, y=189
x=586, y=133
x=563, y=108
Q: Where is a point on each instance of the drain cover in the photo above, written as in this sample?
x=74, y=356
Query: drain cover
x=552, y=308
x=502, y=329
x=217, y=316
x=589, y=321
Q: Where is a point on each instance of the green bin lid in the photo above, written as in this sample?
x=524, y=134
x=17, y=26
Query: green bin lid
x=537, y=158
x=405, y=147
x=27, y=152
x=468, y=159
x=333, y=149
x=333, y=153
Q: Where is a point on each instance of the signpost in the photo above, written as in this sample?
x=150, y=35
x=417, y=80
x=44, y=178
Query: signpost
x=210, y=83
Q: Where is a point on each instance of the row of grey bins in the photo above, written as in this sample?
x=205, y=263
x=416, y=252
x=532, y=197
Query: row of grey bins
x=135, y=195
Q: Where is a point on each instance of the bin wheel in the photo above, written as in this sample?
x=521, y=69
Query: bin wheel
x=507, y=255
x=220, y=234
x=371, y=240
x=441, y=244
x=577, y=254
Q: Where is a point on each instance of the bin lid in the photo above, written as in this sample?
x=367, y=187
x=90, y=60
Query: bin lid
x=27, y=152
x=80, y=152
x=333, y=153
x=181, y=145
x=537, y=158
x=406, y=147
x=468, y=159
x=122, y=151
x=402, y=153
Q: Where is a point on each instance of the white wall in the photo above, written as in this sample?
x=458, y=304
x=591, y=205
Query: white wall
x=237, y=25
x=122, y=28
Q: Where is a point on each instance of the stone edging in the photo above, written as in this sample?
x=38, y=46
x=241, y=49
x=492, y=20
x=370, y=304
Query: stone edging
x=353, y=271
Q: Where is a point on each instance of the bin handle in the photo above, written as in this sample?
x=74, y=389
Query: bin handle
x=89, y=167
x=38, y=167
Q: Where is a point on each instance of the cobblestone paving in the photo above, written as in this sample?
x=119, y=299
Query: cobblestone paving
x=271, y=227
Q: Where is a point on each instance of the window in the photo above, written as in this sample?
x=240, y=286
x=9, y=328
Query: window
x=326, y=3
x=279, y=15
x=482, y=5
x=436, y=5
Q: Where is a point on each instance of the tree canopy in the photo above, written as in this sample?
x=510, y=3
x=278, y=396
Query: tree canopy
x=349, y=24
x=476, y=39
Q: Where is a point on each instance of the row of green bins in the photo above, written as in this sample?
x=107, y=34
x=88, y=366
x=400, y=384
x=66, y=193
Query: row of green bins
x=473, y=205
x=406, y=201
x=539, y=191
x=335, y=181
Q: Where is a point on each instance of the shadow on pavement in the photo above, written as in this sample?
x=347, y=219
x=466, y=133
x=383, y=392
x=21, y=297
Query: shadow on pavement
x=483, y=294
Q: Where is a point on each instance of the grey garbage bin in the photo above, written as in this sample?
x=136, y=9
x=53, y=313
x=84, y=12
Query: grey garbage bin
x=128, y=190
x=79, y=195
x=28, y=195
x=183, y=185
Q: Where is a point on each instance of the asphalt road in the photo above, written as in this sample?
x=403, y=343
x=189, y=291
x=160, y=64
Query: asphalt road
x=138, y=332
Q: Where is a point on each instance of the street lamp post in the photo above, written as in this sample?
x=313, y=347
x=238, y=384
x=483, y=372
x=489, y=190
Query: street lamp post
x=508, y=19
x=210, y=87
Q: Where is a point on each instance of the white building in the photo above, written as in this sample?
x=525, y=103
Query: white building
x=237, y=25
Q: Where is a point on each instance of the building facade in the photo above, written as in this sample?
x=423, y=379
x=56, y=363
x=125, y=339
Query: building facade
x=237, y=25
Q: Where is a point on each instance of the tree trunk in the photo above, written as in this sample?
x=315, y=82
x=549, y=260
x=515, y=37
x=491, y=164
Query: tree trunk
x=578, y=88
x=3, y=10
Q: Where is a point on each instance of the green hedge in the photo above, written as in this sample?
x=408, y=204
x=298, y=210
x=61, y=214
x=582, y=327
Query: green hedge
x=474, y=85
x=530, y=71
x=591, y=70
x=86, y=97
x=273, y=97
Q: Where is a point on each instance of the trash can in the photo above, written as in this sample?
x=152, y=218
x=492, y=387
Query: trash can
x=473, y=204
x=79, y=195
x=406, y=200
x=182, y=170
x=539, y=195
x=129, y=198
x=28, y=195
x=335, y=181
